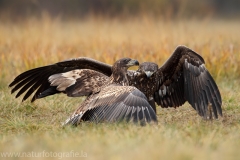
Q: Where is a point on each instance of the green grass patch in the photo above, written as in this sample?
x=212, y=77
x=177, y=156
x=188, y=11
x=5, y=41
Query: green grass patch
x=35, y=128
x=180, y=134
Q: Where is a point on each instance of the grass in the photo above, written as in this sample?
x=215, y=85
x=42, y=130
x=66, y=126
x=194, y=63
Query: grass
x=180, y=134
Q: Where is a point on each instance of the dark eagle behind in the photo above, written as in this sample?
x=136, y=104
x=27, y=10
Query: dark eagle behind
x=183, y=77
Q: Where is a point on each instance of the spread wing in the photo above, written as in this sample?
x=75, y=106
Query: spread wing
x=115, y=104
x=184, y=77
x=79, y=82
x=36, y=80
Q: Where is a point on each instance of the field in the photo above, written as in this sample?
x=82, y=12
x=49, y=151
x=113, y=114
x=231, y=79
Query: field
x=34, y=129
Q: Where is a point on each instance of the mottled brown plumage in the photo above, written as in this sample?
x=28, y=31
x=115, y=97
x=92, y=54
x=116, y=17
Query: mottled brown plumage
x=115, y=101
x=79, y=82
x=37, y=79
x=109, y=99
x=183, y=77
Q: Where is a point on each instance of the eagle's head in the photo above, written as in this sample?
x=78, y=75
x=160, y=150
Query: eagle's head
x=148, y=68
x=125, y=63
x=119, y=70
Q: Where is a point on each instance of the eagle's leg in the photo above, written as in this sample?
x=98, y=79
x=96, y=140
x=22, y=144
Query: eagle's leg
x=152, y=103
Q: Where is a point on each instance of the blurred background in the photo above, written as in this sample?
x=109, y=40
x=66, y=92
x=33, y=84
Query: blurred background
x=34, y=33
x=75, y=9
x=40, y=32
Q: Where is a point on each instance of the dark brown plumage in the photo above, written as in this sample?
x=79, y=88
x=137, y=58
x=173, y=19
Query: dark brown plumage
x=183, y=77
x=37, y=79
x=109, y=99
x=114, y=101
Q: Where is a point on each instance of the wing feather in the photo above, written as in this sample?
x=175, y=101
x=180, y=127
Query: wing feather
x=118, y=103
x=75, y=83
x=37, y=79
x=27, y=80
x=148, y=113
x=195, y=84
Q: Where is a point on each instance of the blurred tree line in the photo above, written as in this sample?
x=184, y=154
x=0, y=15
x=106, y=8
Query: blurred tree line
x=116, y=8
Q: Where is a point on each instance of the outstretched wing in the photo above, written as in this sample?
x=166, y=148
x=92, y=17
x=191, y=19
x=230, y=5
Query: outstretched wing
x=37, y=79
x=114, y=104
x=79, y=82
x=184, y=77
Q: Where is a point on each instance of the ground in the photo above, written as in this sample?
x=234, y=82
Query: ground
x=34, y=129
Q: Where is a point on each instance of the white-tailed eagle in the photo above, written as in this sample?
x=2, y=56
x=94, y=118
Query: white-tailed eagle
x=110, y=99
x=183, y=77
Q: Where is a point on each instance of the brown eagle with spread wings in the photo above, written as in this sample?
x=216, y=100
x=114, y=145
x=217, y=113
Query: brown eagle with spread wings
x=114, y=101
x=110, y=99
x=183, y=77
